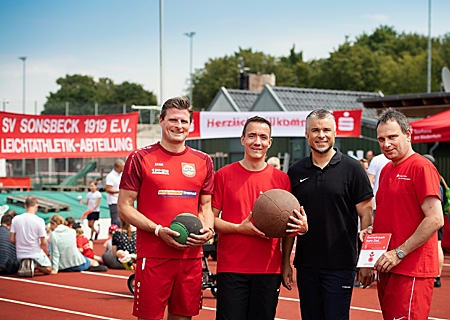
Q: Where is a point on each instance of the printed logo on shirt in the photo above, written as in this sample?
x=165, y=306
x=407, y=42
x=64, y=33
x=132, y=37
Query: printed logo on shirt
x=177, y=193
x=159, y=164
x=304, y=179
x=160, y=171
x=402, y=177
x=188, y=169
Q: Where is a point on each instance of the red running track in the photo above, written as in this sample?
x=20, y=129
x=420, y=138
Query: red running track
x=106, y=296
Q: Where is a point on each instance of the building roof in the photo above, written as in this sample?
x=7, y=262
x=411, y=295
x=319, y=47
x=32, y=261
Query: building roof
x=233, y=100
x=412, y=105
x=307, y=99
x=291, y=99
x=244, y=99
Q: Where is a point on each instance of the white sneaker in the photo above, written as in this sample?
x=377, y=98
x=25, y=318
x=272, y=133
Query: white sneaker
x=26, y=268
x=32, y=267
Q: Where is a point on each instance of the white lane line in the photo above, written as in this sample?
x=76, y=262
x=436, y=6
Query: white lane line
x=104, y=275
x=89, y=315
x=351, y=307
x=379, y=311
x=131, y=297
x=70, y=287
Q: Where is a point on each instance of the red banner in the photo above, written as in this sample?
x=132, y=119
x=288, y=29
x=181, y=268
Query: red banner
x=48, y=136
x=16, y=182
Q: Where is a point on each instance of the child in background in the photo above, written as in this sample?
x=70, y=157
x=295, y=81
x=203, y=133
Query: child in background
x=83, y=244
x=93, y=211
x=109, y=258
x=108, y=243
x=127, y=259
x=70, y=221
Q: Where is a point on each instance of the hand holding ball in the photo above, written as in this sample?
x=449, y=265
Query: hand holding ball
x=271, y=212
x=185, y=224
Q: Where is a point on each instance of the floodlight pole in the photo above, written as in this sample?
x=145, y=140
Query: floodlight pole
x=23, y=88
x=191, y=36
x=5, y=102
x=429, y=49
x=161, y=51
x=24, y=164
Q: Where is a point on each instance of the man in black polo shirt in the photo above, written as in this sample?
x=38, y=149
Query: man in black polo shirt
x=335, y=191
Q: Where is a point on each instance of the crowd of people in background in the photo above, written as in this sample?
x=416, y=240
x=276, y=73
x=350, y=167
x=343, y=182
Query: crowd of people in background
x=27, y=244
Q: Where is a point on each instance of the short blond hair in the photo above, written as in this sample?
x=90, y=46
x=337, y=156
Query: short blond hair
x=274, y=162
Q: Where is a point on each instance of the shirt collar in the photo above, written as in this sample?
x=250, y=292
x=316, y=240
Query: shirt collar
x=337, y=157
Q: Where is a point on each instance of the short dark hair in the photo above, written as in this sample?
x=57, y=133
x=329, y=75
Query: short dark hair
x=256, y=119
x=11, y=212
x=7, y=219
x=180, y=103
x=319, y=114
x=70, y=220
x=394, y=115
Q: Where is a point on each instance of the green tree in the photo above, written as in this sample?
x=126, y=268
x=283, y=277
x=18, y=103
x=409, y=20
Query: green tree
x=385, y=60
x=224, y=72
x=351, y=67
x=83, y=92
x=293, y=71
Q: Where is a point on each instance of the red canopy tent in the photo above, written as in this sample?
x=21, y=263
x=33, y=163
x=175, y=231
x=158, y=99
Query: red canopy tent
x=435, y=128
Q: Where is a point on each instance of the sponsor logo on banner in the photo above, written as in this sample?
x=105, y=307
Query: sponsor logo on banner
x=348, y=123
x=188, y=169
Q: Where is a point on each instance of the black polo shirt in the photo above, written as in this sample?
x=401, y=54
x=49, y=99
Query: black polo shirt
x=329, y=196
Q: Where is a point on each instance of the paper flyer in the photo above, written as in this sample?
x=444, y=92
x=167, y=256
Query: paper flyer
x=373, y=247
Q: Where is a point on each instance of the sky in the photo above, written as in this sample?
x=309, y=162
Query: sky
x=120, y=40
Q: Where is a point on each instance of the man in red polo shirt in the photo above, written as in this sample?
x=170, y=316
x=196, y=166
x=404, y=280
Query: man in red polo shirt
x=168, y=178
x=408, y=207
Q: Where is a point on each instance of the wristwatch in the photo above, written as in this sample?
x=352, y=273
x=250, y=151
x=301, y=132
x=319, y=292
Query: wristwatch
x=400, y=253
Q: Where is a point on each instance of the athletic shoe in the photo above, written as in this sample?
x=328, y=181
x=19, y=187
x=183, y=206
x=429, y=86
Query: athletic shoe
x=32, y=267
x=437, y=282
x=99, y=268
x=26, y=268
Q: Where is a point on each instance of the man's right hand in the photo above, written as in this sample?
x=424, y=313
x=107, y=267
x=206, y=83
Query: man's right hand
x=247, y=227
x=167, y=234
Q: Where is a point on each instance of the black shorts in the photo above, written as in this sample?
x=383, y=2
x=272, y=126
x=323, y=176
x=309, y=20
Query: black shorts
x=247, y=296
x=93, y=215
x=440, y=232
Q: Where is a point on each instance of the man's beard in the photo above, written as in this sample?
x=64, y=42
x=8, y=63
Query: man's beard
x=322, y=151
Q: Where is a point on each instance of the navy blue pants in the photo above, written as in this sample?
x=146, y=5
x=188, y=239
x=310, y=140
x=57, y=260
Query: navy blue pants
x=325, y=294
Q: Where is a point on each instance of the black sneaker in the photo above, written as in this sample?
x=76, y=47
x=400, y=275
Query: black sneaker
x=99, y=268
x=26, y=268
x=437, y=282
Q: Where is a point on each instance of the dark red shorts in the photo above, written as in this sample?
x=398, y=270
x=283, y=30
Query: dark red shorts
x=173, y=282
x=403, y=297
